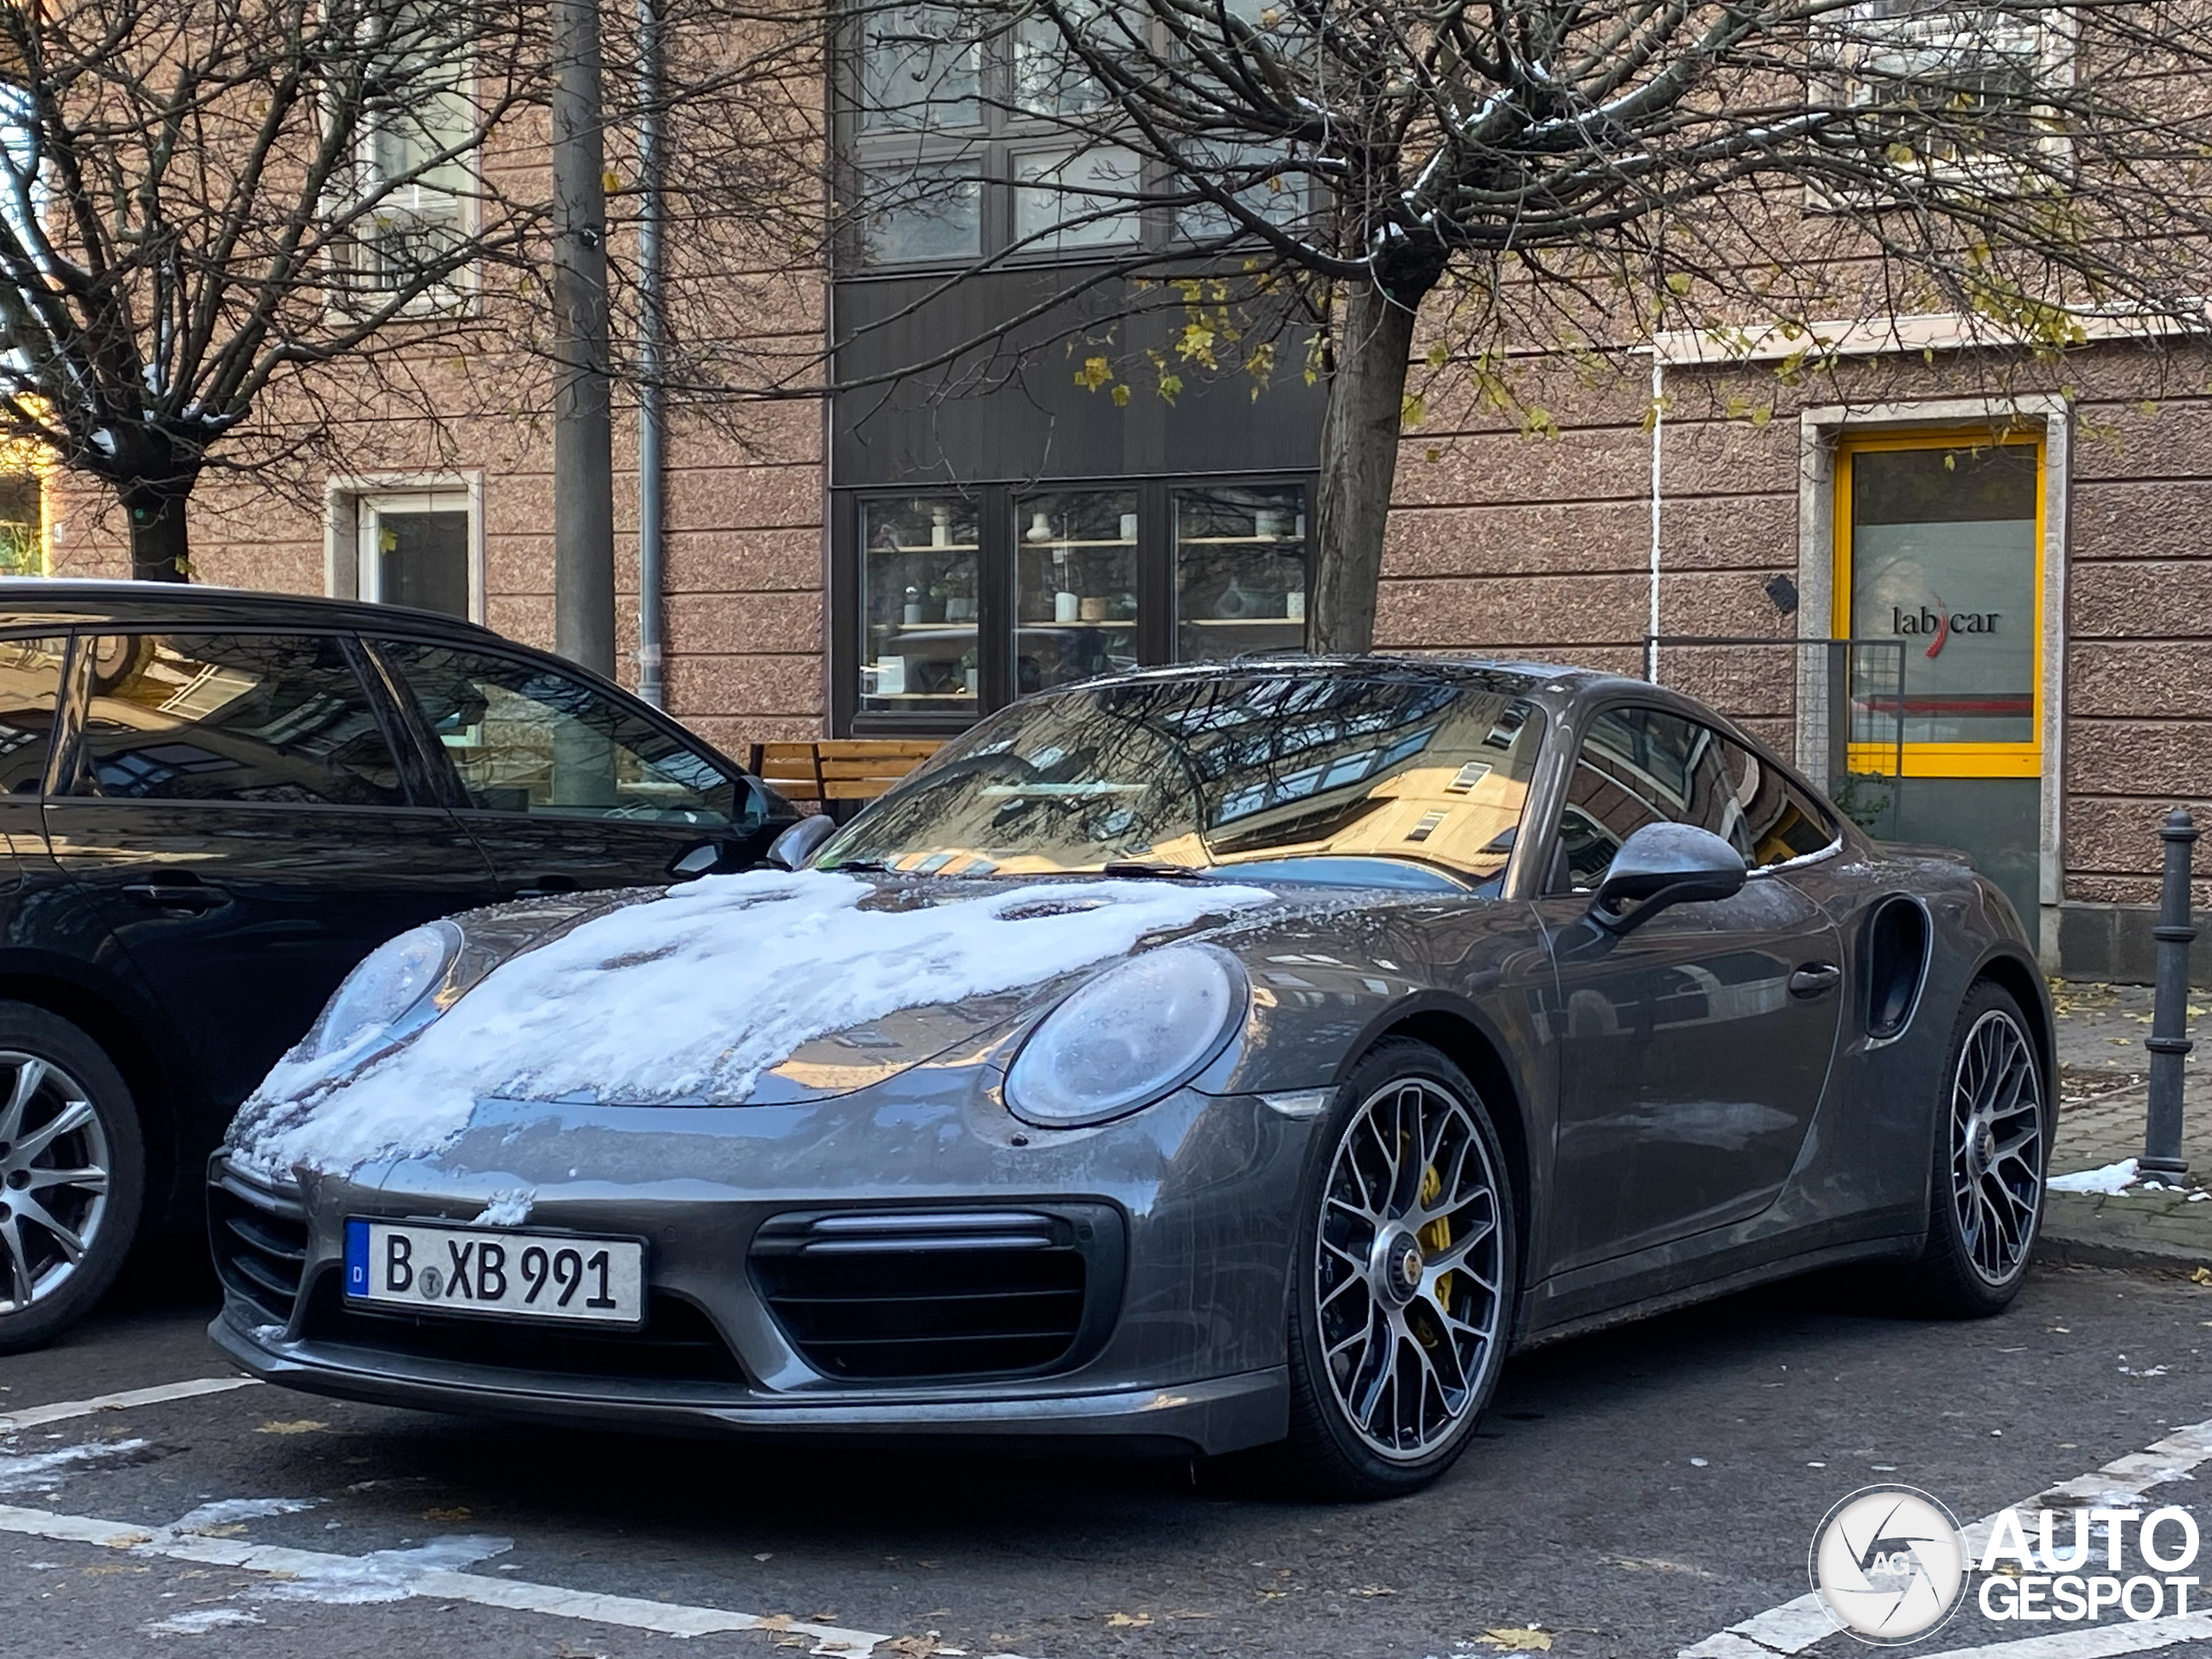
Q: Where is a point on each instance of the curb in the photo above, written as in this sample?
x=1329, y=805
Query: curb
x=2081, y=1231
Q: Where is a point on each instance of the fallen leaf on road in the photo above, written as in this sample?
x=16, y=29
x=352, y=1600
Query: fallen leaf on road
x=774, y=1622
x=455, y=1514
x=2202, y=1276
x=1530, y=1640
x=1127, y=1621
x=227, y=1529
x=910, y=1647
x=303, y=1426
x=1374, y=1590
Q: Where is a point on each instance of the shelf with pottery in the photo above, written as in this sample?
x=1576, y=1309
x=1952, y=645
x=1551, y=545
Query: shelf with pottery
x=1058, y=544
x=1243, y=622
x=1031, y=623
x=1239, y=540
x=926, y=628
x=927, y=547
x=917, y=697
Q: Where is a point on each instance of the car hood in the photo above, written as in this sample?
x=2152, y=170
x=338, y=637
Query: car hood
x=771, y=986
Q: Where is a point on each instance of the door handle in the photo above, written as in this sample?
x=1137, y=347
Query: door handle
x=177, y=893
x=1814, y=979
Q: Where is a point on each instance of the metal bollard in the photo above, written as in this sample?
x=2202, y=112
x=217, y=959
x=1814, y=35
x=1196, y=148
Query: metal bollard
x=2169, y=1040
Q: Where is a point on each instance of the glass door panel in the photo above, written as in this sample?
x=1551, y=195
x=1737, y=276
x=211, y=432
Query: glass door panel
x=1240, y=570
x=919, y=589
x=1942, y=558
x=1075, y=585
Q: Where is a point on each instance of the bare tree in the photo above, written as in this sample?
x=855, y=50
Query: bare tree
x=1349, y=190
x=205, y=204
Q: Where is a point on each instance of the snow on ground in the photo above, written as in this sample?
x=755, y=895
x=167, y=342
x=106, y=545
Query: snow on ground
x=2111, y=1179
x=693, y=996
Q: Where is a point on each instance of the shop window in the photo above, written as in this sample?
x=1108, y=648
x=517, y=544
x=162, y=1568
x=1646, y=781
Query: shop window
x=920, y=589
x=22, y=526
x=1240, y=571
x=953, y=605
x=1939, y=548
x=1076, y=586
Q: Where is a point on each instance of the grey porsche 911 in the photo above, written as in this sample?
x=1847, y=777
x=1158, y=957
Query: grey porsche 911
x=1197, y=1059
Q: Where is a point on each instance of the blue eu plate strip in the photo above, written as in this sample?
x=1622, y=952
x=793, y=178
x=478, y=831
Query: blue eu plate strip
x=357, y=1258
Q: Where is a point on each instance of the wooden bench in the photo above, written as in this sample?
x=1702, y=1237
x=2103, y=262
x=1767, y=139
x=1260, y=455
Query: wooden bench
x=838, y=770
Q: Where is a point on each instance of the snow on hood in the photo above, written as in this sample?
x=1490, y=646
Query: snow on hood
x=695, y=995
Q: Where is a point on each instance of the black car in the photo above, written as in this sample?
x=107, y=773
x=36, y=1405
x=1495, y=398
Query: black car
x=215, y=804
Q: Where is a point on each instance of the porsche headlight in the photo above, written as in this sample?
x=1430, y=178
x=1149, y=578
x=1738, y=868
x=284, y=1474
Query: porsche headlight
x=1132, y=1034
x=391, y=982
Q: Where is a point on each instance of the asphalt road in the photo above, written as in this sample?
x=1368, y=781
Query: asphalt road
x=1632, y=1494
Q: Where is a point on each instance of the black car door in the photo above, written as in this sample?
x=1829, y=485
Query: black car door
x=235, y=807
x=1693, y=1050
x=566, y=784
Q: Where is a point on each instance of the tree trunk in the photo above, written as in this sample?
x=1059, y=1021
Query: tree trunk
x=1359, y=459
x=159, y=549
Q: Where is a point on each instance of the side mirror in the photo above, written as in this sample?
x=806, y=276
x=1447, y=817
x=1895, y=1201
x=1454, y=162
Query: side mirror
x=796, y=845
x=704, y=860
x=1662, y=865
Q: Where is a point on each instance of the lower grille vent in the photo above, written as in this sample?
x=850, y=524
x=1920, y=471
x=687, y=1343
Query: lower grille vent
x=679, y=1343
x=259, y=1235
x=904, y=1295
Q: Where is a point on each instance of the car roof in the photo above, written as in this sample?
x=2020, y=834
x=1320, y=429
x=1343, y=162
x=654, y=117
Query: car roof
x=49, y=601
x=1556, y=681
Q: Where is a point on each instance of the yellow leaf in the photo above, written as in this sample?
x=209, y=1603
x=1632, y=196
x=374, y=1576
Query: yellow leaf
x=300, y=1426
x=1530, y=1640
x=2202, y=1276
x=1121, y=396
x=1678, y=284
x=1095, y=372
x=1127, y=1621
x=455, y=1514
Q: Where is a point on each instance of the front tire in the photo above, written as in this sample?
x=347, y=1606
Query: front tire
x=1408, y=1254
x=73, y=1175
x=1992, y=1147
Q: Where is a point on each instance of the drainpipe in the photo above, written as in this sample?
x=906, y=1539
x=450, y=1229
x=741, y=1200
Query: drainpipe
x=651, y=338
x=1658, y=420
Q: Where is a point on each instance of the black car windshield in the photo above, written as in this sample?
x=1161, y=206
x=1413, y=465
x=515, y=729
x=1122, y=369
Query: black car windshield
x=1222, y=770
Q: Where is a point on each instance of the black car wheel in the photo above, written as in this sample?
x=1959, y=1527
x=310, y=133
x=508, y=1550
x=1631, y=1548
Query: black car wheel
x=1992, y=1138
x=1406, y=1258
x=73, y=1174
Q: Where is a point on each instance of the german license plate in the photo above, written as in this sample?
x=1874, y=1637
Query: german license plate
x=497, y=1271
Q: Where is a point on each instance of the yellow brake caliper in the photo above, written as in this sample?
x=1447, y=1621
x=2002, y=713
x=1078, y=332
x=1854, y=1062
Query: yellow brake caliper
x=1436, y=1238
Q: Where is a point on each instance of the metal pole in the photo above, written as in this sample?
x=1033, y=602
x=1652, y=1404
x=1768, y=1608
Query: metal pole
x=652, y=336
x=2168, y=1041
x=583, y=429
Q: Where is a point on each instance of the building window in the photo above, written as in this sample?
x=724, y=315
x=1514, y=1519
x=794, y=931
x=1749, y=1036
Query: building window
x=22, y=524
x=966, y=140
x=411, y=544
x=954, y=605
x=413, y=206
x=920, y=585
x=1954, y=83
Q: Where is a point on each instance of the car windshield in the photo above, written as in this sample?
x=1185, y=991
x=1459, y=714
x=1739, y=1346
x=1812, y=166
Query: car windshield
x=1386, y=776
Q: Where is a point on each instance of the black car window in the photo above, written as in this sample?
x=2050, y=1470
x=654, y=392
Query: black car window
x=31, y=691
x=527, y=738
x=1638, y=766
x=1775, y=819
x=262, y=717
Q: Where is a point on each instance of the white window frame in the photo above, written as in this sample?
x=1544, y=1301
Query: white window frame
x=2049, y=40
x=351, y=503
x=353, y=260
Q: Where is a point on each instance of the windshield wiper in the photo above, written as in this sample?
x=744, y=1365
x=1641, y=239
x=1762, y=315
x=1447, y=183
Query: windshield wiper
x=1149, y=870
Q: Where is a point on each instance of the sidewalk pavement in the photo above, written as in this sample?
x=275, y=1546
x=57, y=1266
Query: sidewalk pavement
x=2103, y=1092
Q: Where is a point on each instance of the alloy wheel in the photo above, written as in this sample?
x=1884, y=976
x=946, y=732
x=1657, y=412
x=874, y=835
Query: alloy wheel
x=1996, y=1145
x=1409, y=1271
x=53, y=1178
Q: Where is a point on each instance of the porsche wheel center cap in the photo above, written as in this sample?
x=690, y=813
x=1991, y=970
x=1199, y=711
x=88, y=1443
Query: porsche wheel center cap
x=1396, y=1265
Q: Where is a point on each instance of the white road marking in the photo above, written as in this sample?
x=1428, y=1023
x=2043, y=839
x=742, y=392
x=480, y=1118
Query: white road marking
x=667, y=1618
x=1795, y=1625
x=2094, y=1641
x=61, y=1411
